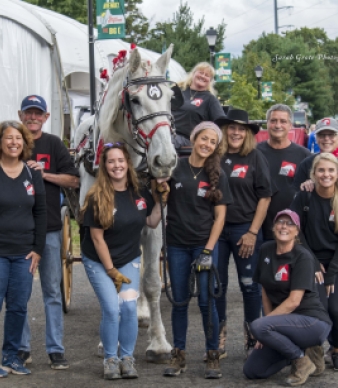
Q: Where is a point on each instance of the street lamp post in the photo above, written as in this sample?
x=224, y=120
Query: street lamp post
x=211, y=35
x=259, y=74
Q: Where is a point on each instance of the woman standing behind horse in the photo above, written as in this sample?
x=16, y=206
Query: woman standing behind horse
x=200, y=103
x=196, y=214
x=115, y=211
x=319, y=215
x=249, y=180
x=22, y=236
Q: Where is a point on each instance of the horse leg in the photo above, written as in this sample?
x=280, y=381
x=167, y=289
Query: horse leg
x=159, y=349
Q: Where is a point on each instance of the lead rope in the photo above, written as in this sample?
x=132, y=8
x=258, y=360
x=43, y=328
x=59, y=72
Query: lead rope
x=194, y=280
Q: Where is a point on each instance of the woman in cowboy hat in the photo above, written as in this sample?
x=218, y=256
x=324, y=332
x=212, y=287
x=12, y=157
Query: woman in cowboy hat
x=249, y=181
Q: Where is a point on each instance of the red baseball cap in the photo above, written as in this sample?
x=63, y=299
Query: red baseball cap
x=287, y=212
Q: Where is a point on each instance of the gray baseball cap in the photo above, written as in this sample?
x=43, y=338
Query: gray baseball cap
x=326, y=123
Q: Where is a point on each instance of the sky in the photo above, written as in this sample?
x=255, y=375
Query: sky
x=248, y=19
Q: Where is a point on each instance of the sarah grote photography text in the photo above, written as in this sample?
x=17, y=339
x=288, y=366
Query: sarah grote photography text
x=302, y=57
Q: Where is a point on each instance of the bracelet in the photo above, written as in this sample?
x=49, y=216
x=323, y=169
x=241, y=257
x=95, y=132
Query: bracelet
x=255, y=234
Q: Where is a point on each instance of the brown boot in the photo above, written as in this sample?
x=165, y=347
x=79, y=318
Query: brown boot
x=177, y=363
x=212, y=370
x=316, y=355
x=222, y=340
x=301, y=369
x=249, y=340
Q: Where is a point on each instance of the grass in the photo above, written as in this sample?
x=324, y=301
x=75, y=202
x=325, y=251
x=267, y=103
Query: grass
x=75, y=238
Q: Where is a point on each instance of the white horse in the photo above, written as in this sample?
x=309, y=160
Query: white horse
x=136, y=110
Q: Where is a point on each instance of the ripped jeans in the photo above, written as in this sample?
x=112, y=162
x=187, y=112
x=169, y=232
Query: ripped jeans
x=251, y=291
x=119, y=325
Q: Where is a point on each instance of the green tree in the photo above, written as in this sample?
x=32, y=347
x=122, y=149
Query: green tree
x=187, y=36
x=244, y=96
x=136, y=23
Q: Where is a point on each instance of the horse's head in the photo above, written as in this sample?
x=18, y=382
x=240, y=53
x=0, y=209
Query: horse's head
x=147, y=121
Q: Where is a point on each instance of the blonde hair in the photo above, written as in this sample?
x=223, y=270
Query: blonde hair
x=334, y=199
x=200, y=66
x=248, y=145
x=102, y=193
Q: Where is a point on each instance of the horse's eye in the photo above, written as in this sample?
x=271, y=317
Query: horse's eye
x=135, y=101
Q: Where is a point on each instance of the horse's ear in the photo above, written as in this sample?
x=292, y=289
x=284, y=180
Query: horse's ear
x=134, y=61
x=163, y=60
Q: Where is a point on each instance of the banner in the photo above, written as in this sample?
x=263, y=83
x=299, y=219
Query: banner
x=266, y=91
x=110, y=19
x=223, y=67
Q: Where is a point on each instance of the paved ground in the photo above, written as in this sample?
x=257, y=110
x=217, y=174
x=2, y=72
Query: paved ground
x=81, y=339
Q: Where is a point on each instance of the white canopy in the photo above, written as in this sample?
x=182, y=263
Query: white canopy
x=41, y=49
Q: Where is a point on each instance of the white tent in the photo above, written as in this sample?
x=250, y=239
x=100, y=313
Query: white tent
x=46, y=53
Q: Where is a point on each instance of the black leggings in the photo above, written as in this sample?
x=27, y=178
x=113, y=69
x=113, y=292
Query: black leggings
x=331, y=306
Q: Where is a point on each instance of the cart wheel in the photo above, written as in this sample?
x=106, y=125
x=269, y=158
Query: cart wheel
x=66, y=259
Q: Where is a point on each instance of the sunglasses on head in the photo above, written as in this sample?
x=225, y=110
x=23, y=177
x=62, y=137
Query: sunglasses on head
x=110, y=145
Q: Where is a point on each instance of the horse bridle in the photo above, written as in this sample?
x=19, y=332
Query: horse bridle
x=138, y=134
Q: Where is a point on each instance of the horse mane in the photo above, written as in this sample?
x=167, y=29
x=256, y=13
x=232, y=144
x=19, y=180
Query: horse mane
x=110, y=109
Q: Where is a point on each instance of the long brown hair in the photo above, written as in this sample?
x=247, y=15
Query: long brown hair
x=249, y=142
x=334, y=200
x=28, y=142
x=102, y=193
x=212, y=166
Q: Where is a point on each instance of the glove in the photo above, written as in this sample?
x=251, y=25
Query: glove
x=157, y=188
x=118, y=278
x=204, y=261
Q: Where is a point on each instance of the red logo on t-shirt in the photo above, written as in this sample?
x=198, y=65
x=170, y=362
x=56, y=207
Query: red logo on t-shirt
x=44, y=160
x=141, y=204
x=282, y=274
x=288, y=169
x=202, y=188
x=197, y=102
x=29, y=188
x=331, y=216
x=239, y=171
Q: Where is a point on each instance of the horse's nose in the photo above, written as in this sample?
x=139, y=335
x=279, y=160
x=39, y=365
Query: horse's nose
x=159, y=161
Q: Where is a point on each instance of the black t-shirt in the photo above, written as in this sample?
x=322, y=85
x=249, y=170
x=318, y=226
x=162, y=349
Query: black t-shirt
x=318, y=228
x=123, y=237
x=22, y=213
x=55, y=159
x=283, y=164
x=303, y=171
x=249, y=181
x=190, y=214
x=281, y=274
x=203, y=107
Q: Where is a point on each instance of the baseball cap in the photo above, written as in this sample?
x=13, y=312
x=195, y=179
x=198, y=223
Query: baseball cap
x=34, y=101
x=287, y=212
x=326, y=123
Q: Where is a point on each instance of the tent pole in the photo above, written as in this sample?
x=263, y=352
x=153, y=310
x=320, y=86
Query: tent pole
x=91, y=57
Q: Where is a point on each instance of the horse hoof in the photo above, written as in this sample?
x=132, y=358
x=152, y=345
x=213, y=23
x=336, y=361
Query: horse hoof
x=158, y=358
x=143, y=322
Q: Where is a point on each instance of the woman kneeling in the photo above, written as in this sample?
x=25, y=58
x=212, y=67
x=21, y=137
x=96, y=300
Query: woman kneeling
x=295, y=323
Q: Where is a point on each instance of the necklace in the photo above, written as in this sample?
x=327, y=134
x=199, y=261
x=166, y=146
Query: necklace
x=192, y=96
x=192, y=171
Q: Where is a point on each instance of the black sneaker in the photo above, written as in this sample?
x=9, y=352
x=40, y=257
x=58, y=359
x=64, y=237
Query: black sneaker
x=335, y=361
x=58, y=361
x=25, y=357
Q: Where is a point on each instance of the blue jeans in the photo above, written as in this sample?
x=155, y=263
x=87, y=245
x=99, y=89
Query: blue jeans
x=251, y=291
x=284, y=338
x=16, y=286
x=180, y=260
x=50, y=277
x=119, y=323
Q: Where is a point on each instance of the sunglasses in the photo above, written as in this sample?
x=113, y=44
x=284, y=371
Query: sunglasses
x=286, y=222
x=110, y=145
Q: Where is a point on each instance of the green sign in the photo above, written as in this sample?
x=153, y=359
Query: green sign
x=266, y=91
x=110, y=19
x=223, y=67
